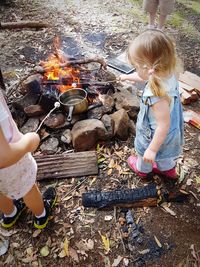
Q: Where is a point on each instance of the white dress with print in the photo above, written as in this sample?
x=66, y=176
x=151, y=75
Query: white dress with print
x=18, y=179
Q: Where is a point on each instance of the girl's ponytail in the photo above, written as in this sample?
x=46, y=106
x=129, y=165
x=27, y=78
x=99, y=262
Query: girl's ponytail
x=157, y=87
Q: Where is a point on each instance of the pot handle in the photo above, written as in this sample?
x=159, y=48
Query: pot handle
x=69, y=118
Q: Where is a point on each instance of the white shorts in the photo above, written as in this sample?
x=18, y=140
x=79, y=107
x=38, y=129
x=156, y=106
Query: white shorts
x=17, y=180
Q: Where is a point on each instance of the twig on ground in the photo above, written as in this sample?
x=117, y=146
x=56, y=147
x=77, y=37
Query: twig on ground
x=74, y=188
x=115, y=217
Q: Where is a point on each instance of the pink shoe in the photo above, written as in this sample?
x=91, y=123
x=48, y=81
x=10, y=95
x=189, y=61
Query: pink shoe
x=170, y=174
x=132, y=164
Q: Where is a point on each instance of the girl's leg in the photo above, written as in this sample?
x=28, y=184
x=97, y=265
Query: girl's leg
x=166, y=164
x=6, y=204
x=34, y=201
x=166, y=168
x=143, y=166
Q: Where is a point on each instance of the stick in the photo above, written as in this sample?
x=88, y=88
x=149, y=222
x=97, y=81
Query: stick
x=120, y=234
x=23, y=24
x=85, y=61
x=56, y=105
x=74, y=188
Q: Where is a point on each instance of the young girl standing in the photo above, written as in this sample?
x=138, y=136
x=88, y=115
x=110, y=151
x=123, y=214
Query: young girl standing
x=18, y=174
x=159, y=128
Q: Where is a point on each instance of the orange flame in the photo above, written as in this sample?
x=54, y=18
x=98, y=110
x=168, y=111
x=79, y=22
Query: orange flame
x=66, y=76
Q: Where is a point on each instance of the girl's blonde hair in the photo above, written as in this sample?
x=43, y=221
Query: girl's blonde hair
x=155, y=51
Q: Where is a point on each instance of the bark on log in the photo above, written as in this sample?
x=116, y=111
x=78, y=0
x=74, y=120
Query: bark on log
x=23, y=24
x=67, y=165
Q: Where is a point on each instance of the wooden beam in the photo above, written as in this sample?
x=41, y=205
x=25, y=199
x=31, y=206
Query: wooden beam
x=67, y=165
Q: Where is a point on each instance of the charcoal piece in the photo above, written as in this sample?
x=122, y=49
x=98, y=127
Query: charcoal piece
x=98, y=199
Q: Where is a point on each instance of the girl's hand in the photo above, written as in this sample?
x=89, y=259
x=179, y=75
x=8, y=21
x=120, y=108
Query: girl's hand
x=32, y=140
x=149, y=156
x=123, y=77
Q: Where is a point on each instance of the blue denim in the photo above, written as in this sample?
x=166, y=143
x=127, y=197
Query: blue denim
x=172, y=146
x=162, y=165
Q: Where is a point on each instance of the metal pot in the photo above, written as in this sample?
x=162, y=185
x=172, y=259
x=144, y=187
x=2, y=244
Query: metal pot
x=74, y=101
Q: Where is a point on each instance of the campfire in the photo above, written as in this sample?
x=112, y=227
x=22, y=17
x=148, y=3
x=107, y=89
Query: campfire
x=89, y=109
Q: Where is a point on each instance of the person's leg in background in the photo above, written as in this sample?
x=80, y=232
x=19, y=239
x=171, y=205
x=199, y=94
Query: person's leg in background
x=151, y=6
x=166, y=7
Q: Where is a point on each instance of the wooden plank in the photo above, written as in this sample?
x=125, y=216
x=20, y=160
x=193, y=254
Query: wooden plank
x=186, y=86
x=190, y=79
x=67, y=165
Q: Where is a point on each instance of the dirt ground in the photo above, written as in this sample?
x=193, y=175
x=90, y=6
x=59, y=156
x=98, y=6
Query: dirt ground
x=76, y=236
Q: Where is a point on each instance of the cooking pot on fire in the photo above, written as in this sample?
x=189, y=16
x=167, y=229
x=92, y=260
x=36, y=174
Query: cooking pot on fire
x=74, y=101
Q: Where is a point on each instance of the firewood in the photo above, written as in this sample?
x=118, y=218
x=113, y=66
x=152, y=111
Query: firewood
x=191, y=79
x=187, y=97
x=85, y=61
x=67, y=165
x=23, y=24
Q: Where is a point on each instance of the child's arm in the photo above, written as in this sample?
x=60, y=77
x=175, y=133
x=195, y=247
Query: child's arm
x=10, y=153
x=161, y=112
x=133, y=77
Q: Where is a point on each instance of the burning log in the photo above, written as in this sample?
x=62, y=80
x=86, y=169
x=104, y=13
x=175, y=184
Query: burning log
x=99, y=60
x=23, y=24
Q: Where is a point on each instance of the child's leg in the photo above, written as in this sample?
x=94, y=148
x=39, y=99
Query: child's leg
x=11, y=209
x=166, y=164
x=34, y=201
x=40, y=206
x=142, y=166
x=166, y=168
x=6, y=204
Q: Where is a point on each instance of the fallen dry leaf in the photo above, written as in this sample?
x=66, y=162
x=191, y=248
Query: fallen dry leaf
x=106, y=242
x=4, y=245
x=109, y=172
x=158, y=242
x=44, y=251
x=73, y=254
x=36, y=232
x=168, y=210
x=66, y=246
x=117, y=261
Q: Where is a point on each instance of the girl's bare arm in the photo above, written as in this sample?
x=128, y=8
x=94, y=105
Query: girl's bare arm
x=161, y=112
x=133, y=77
x=10, y=153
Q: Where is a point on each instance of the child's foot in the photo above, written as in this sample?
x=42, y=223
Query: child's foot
x=132, y=160
x=49, y=197
x=9, y=221
x=169, y=174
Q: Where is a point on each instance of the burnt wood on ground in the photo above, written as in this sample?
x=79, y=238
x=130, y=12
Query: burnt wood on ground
x=67, y=165
x=23, y=24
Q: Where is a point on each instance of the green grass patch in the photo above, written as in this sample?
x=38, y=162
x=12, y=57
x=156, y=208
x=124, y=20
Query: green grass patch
x=176, y=19
x=194, y=6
